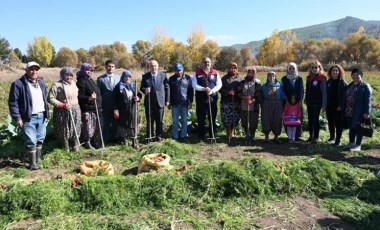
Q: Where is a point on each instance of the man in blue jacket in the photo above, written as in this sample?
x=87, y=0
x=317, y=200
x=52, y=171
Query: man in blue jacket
x=181, y=98
x=29, y=108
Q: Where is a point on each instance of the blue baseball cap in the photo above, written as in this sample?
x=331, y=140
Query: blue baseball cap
x=178, y=67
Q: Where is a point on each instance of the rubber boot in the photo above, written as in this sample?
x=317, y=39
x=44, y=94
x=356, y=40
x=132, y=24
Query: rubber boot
x=39, y=153
x=32, y=159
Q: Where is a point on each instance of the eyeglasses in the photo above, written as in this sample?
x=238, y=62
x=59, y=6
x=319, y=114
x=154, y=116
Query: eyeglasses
x=314, y=67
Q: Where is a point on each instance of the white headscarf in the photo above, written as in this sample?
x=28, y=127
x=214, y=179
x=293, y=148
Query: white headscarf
x=292, y=76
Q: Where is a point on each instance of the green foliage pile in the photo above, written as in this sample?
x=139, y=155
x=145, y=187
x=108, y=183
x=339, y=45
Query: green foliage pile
x=204, y=187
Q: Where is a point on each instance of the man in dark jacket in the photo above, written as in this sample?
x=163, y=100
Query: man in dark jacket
x=181, y=98
x=106, y=84
x=154, y=85
x=29, y=108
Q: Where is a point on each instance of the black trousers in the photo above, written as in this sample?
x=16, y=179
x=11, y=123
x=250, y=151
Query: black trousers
x=313, y=113
x=203, y=110
x=155, y=118
x=110, y=127
x=334, y=119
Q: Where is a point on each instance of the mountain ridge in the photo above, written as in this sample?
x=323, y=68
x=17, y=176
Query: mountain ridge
x=338, y=29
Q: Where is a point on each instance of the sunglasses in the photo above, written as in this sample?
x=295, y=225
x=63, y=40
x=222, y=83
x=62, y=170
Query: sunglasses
x=314, y=67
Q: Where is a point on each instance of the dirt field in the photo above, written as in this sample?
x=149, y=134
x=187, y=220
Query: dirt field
x=295, y=213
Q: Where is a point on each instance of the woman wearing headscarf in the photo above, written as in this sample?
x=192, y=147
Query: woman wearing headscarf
x=63, y=95
x=315, y=98
x=249, y=92
x=125, y=99
x=335, y=97
x=292, y=86
x=229, y=101
x=90, y=103
x=271, y=107
x=357, y=106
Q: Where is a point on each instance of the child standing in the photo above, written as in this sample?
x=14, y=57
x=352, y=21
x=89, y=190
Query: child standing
x=291, y=118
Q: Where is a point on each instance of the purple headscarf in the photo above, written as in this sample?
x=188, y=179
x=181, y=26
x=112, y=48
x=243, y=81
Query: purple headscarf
x=83, y=68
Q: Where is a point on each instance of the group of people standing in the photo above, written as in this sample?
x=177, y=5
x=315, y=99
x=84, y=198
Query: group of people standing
x=280, y=102
x=92, y=113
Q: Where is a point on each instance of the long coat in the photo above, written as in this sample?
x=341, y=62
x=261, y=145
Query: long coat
x=126, y=107
x=362, y=103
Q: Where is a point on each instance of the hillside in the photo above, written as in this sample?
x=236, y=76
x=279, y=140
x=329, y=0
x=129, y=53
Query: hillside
x=338, y=29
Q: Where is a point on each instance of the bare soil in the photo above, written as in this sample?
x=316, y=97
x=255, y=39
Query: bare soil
x=296, y=213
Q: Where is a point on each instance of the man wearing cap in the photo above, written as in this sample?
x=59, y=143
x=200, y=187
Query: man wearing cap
x=106, y=84
x=206, y=82
x=181, y=98
x=155, y=86
x=28, y=106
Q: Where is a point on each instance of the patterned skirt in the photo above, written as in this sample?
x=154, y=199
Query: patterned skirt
x=230, y=115
x=90, y=128
x=65, y=125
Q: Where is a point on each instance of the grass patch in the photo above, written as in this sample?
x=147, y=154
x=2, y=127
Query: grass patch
x=207, y=188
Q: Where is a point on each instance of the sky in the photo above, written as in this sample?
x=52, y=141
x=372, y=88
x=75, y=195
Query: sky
x=82, y=23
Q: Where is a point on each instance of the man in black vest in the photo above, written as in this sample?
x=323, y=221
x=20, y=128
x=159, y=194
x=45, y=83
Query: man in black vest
x=155, y=86
x=207, y=83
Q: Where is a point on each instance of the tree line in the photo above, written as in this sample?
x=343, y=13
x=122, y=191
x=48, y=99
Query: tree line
x=358, y=49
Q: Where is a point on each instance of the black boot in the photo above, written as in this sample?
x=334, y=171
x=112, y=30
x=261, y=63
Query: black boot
x=39, y=153
x=32, y=159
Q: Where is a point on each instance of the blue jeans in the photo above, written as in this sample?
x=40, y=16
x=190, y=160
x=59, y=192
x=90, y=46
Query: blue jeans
x=177, y=112
x=34, y=131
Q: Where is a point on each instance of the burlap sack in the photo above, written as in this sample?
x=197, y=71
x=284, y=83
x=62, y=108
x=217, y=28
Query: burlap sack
x=154, y=162
x=98, y=167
